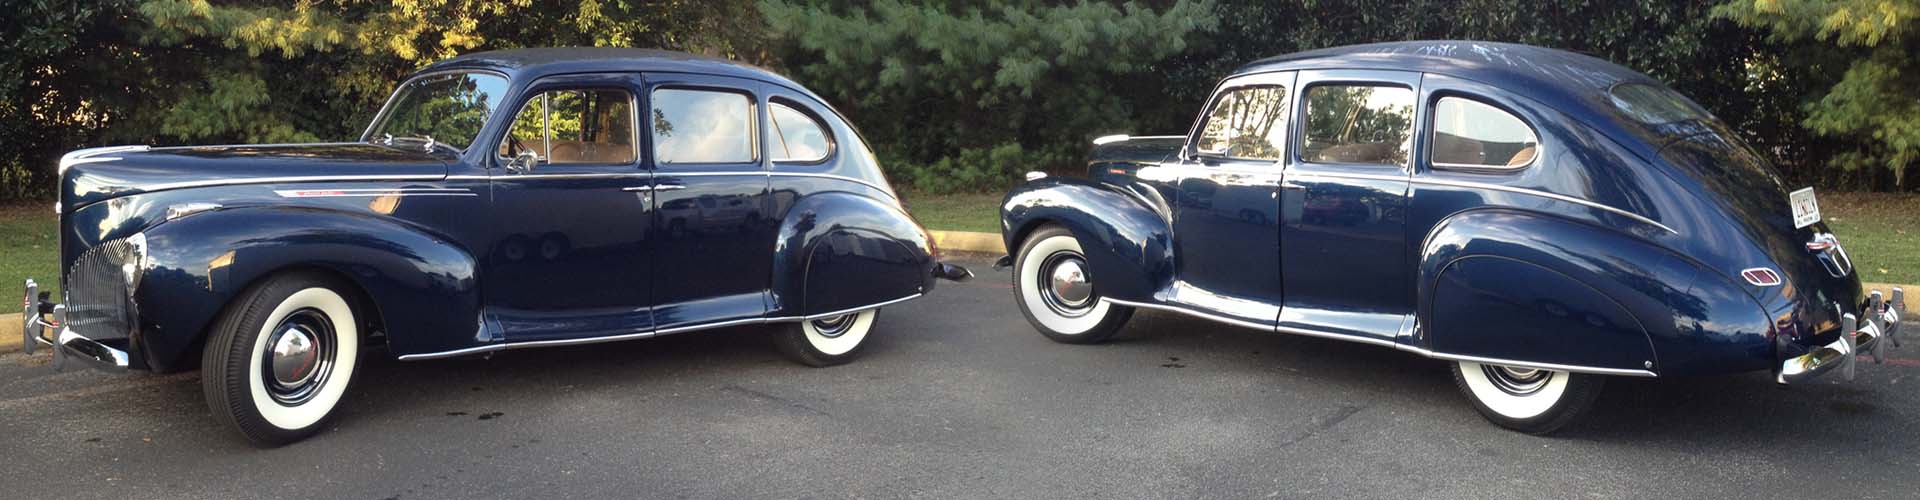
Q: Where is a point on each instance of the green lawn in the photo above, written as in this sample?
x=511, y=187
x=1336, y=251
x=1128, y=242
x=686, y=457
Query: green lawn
x=28, y=248
x=956, y=212
x=1881, y=232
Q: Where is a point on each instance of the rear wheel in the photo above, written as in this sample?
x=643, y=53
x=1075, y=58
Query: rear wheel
x=1055, y=292
x=280, y=358
x=826, y=341
x=1528, y=400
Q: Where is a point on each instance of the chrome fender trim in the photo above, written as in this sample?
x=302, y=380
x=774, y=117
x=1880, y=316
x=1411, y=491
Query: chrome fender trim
x=1383, y=342
x=644, y=334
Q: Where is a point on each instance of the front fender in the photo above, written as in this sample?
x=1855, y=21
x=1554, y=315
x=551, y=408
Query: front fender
x=421, y=286
x=1127, y=240
x=839, y=251
x=1506, y=284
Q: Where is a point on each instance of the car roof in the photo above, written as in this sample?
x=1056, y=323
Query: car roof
x=1572, y=83
x=532, y=63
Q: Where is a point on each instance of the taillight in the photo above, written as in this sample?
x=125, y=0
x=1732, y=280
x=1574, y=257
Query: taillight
x=1761, y=276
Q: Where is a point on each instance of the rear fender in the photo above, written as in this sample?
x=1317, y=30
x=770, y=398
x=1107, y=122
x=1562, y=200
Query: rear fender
x=421, y=287
x=1127, y=241
x=839, y=251
x=1512, y=285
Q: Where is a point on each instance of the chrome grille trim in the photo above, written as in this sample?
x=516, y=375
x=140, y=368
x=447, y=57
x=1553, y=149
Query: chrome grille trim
x=100, y=301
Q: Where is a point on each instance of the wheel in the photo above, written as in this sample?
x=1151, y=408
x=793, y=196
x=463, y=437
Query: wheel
x=1051, y=284
x=280, y=358
x=1528, y=400
x=826, y=341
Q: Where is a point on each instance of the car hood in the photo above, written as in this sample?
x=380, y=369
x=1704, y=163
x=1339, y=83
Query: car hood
x=89, y=176
x=1755, y=199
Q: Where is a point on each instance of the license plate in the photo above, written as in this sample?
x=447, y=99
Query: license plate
x=1806, y=211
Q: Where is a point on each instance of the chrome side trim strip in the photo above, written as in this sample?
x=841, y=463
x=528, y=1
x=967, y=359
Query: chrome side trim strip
x=512, y=177
x=1383, y=342
x=374, y=192
x=641, y=335
x=1494, y=187
x=1544, y=194
x=656, y=173
x=289, y=180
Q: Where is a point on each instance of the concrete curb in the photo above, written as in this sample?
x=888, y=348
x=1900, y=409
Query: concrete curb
x=967, y=241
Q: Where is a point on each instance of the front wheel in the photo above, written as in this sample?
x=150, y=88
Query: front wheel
x=1055, y=292
x=826, y=341
x=280, y=357
x=1529, y=400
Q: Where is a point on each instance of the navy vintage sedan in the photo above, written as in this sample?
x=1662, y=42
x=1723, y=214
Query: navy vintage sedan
x=500, y=200
x=1540, y=219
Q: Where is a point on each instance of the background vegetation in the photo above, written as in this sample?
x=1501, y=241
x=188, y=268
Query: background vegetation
x=956, y=95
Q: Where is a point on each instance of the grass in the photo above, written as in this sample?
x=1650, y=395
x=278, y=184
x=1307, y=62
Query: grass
x=956, y=212
x=1881, y=232
x=28, y=249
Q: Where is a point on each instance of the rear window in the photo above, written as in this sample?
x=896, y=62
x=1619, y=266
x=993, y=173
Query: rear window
x=1654, y=105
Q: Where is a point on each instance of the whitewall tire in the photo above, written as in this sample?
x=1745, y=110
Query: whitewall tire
x=827, y=341
x=1533, y=401
x=281, y=357
x=1052, y=285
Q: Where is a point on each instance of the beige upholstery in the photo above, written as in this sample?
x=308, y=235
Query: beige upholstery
x=1522, y=157
x=590, y=152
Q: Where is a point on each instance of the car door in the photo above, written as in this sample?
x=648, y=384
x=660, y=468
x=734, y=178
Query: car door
x=571, y=246
x=1344, y=204
x=714, y=249
x=1226, y=216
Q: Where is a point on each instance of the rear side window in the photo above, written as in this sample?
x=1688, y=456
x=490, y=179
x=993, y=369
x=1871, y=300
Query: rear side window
x=1473, y=134
x=1247, y=123
x=1361, y=124
x=574, y=126
x=797, y=136
x=1654, y=105
x=702, y=126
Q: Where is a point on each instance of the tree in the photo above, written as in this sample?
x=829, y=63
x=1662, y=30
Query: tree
x=1874, y=104
x=964, y=95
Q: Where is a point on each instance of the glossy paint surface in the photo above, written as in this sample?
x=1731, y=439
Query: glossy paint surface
x=454, y=254
x=1616, y=249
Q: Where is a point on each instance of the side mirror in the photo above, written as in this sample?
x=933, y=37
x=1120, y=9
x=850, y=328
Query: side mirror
x=523, y=163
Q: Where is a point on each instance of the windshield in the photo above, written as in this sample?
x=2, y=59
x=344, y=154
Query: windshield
x=448, y=109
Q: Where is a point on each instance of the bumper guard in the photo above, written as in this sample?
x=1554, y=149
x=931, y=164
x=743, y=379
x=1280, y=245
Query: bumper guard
x=53, y=333
x=1882, y=327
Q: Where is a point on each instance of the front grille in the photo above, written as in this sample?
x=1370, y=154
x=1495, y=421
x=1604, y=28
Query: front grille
x=99, y=295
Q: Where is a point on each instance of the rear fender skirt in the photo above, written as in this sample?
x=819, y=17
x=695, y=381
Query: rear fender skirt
x=421, y=286
x=1508, y=284
x=839, y=250
x=1127, y=242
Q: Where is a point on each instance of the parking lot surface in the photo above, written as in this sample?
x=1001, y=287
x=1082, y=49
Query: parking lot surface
x=957, y=397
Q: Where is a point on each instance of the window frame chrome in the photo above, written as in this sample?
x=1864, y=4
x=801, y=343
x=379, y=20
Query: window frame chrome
x=755, y=141
x=833, y=142
x=546, y=119
x=1283, y=79
x=1432, y=131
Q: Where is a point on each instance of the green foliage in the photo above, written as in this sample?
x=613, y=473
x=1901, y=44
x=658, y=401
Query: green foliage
x=972, y=169
x=950, y=84
x=1874, y=107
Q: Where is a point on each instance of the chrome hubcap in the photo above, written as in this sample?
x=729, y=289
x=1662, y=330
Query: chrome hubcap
x=1517, y=381
x=1066, y=289
x=834, y=326
x=299, y=357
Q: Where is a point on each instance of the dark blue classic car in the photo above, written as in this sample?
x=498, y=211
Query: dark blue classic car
x=501, y=200
x=1541, y=219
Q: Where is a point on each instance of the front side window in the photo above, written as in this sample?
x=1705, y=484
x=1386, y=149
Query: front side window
x=702, y=126
x=1472, y=134
x=575, y=126
x=1246, y=123
x=797, y=137
x=1364, y=124
x=446, y=109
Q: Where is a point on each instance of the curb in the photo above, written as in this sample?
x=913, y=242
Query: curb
x=10, y=337
x=967, y=241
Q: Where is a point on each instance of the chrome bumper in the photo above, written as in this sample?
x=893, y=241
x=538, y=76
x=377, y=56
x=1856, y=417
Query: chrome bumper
x=1881, y=329
x=64, y=342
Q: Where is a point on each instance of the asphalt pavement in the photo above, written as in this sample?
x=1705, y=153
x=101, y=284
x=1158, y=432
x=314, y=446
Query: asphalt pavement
x=957, y=397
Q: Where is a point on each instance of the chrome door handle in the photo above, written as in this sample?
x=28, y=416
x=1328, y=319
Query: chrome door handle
x=637, y=189
x=668, y=187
